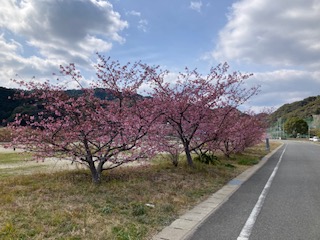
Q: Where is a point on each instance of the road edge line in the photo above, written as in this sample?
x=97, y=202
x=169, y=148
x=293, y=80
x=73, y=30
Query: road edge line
x=248, y=226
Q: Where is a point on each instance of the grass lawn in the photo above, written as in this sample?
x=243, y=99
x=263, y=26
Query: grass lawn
x=130, y=203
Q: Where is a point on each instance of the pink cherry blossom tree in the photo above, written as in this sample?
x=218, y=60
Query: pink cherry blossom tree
x=196, y=106
x=98, y=133
x=245, y=130
x=208, y=140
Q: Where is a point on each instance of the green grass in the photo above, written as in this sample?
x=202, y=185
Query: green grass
x=130, y=203
x=252, y=156
x=245, y=160
x=12, y=171
x=13, y=158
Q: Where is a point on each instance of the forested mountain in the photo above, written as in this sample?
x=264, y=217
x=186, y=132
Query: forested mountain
x=9, y=105
x=303, y=109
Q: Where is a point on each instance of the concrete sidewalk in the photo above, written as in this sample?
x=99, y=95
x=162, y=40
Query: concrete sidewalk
x=186, y=225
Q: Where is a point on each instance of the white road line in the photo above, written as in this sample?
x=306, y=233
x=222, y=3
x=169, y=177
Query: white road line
x=247, y=229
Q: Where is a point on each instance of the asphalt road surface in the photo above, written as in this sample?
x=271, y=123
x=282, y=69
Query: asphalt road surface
x=280, y=201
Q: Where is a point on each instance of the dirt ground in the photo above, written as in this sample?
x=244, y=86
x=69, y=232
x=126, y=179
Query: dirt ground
x=48, y=164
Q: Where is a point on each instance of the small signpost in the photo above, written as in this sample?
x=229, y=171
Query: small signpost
x=267, y=144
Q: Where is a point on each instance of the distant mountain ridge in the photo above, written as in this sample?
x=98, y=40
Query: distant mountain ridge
x=9, y=106
x=304, y=109
x=7, y=103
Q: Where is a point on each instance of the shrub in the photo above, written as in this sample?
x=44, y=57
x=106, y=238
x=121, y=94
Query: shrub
x=206, y=158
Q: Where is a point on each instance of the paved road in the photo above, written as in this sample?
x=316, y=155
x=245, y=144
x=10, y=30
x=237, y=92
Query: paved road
x=280, y=201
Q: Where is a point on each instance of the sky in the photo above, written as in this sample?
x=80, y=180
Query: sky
x=277, y=41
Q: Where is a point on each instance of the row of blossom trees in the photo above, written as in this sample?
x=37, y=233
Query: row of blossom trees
x=197, y=113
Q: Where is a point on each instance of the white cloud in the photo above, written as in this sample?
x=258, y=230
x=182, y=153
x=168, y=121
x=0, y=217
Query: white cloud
x=283, y=86
x=63, y=26
x=143, y=24
x=196, y=5
x=12, y=63
x=8, y=46
x=282, y=33
x=134, y=13
x=61, y=31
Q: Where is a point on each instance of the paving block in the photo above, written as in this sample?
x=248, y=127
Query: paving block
x=170, y=233
x=184, y=224
x=207, y=205
x=192, y=216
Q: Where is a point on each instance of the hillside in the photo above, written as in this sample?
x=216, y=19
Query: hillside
x=7, y=103
x=303, y=109
x=9, y=106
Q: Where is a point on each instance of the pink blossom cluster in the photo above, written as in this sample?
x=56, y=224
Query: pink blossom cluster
x=201, y=112
x=198, y=113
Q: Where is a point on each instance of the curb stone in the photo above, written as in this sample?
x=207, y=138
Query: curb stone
x=184, y=227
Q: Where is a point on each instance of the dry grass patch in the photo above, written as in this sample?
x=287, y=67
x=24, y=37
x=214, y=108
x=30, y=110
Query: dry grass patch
x=5, y=135
x=130, y=203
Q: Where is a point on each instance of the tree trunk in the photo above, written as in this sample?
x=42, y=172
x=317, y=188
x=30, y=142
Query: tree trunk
x=226, y=147
x=175, y=159
x=188, y=154
x=96, y=176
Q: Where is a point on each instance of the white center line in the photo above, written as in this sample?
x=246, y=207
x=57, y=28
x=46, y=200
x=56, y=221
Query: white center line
x=247, y=228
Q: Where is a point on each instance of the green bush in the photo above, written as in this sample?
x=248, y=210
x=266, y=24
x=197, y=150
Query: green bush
x=138, y=209
x=206, y=158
